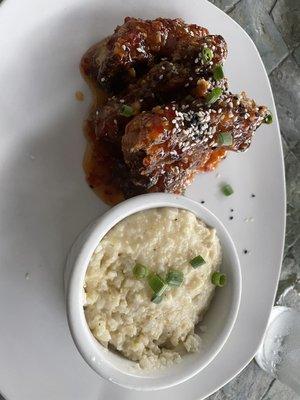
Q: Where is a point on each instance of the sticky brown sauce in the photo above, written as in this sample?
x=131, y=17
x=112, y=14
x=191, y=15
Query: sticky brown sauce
x=100, y=157
x=214, y=160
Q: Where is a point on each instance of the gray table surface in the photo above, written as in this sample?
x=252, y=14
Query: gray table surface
x=274, y=25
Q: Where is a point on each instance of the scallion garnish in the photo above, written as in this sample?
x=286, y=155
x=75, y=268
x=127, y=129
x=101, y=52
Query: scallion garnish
x=213, y=96
x=218, y=279
x=157, y=284
x=268, y=119
x=207, y=54
x=140, y=271
x=156, y=299
x=227, y=190
x=126, y=111
x=197, y=261
x=225, y=139
x=218, y=72
x=174, y=278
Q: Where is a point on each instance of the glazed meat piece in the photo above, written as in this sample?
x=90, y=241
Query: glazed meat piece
x=138, y=44
x=165, y=148
x=162, y=111
x=164, y=82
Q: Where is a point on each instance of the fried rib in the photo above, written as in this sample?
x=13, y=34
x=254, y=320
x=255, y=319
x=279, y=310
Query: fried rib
x=165, y=148
x=165, y=81
x=137, y=44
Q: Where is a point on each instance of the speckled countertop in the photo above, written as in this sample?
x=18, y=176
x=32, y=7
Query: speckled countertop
x=274, y=25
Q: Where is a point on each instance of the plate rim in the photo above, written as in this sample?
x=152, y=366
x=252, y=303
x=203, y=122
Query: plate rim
x=6, y=5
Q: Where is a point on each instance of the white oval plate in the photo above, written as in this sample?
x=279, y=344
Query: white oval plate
x=45, y=201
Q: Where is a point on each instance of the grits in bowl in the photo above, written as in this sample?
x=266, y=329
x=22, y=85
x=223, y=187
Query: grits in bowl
x=148, y=284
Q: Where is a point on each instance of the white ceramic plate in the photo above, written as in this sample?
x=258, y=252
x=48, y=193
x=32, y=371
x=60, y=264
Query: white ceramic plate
x=45, y=202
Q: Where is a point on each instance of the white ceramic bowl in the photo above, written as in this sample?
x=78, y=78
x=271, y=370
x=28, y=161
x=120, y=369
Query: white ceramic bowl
x=219, y=318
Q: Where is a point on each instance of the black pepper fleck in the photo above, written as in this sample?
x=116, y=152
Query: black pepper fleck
x=231, y=210
x=245, y=251
x=202, y=201
x=252, y=195
x=231, y=217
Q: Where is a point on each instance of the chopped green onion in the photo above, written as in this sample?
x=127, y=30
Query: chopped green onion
x=268, y=119
x=207, y=54
x=140, y=271
x=225, y=139
x=218, y=279
x=227, y=190
x=156, y=299
x=197, y=261
x=213, y=96
x=157, y=284
x=218, y=72
x=126, y=111
x=174, y=278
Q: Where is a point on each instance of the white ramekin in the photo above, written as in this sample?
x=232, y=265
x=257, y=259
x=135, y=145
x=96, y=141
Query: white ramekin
x=219, y=319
